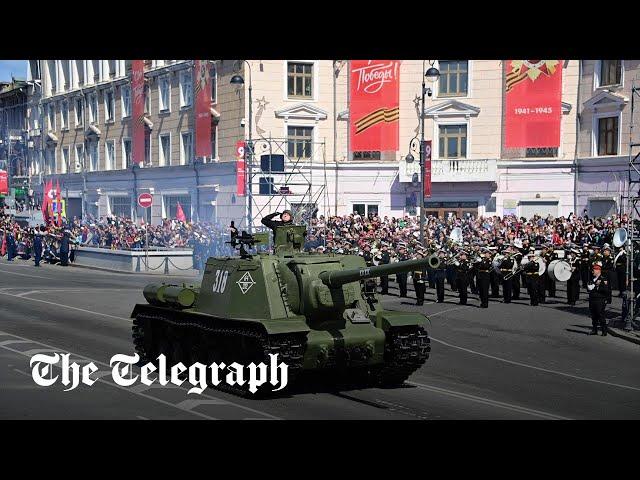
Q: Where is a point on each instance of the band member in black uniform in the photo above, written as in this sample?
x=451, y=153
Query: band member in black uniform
x=369, y=283
x=384, y=279
x=548, y=256
x=607, y=267
x=585, y=263
x=462, y=267
x=621, y=269
x=483, y=270
x=37, y=247
x=419, y=277
x=402, y=276
x=494, y=280
x=64, y=249
x=599, y=290
x=515, y=279
x=475, y=252
x=506, y=266
x=573, y=285
x=524, y=251
x=533, y=283
x=440, y=275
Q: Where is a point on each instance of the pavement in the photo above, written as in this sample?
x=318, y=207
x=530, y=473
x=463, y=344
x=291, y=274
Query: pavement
x=510, y=361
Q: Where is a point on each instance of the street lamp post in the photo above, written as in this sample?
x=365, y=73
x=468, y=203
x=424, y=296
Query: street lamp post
x=432, y=74
x=239, y=80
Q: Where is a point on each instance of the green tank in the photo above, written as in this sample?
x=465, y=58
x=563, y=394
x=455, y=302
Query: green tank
x=316, y=311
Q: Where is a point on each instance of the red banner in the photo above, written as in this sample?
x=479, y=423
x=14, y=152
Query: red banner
x=240, y=169
x=4, y=183
x=202, y=91
x=533, y=94
x=426, y=181
x=374, y=110
x=137, y=117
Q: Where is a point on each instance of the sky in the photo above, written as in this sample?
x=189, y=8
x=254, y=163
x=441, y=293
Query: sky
x=17, y=67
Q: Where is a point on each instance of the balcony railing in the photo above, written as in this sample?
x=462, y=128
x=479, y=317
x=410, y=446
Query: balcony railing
x=452, y=170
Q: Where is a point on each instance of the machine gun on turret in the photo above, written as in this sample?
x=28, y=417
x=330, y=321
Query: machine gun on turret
x=239, y=241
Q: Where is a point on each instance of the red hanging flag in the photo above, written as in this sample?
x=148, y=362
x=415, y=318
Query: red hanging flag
x=46, y=200
x=4, y=183
x=202, y=90
x=180, y=216
x=137, y=117
x=58, y=203
x=533, y=93
x=3, y=247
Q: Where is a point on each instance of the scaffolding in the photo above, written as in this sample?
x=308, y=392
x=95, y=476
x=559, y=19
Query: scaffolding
x=633, y=213
x=280, y=176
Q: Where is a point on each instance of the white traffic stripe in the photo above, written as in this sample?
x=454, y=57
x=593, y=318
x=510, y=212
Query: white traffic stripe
x=98, y=375
x=26, y=275
x=525, y=365
x=12, y=342
x=487, y=401
x=191, y=404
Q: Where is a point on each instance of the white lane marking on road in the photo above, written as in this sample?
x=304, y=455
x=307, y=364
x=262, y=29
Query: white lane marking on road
x=487, y=401
x=141, y=417
x=11, y=342
x=445, y=311
x=66, y=306
x=513, y=362
x=191, y=404
x=26, y=275
x=203, y=395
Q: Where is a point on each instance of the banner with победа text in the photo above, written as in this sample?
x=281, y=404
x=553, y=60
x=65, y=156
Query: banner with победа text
x=374, y=105
x=533, y=95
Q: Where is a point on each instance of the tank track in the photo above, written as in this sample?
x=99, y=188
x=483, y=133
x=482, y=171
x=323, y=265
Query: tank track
x=406, y=350
x=153, y=334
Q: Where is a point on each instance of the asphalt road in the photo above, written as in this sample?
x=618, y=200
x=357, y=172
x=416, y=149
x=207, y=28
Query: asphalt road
x=505, y=362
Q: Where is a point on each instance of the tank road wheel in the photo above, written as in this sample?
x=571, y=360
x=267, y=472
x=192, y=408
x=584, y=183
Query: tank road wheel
x=143, y=339
x=406, y=350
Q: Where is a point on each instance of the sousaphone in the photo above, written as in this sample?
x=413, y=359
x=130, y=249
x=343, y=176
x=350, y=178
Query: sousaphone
x=620, y=237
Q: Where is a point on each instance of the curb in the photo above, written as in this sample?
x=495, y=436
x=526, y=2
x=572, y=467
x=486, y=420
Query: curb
x=125, y=272
x=622, y=334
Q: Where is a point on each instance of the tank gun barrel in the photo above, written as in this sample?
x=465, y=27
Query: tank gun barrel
x=334, y=279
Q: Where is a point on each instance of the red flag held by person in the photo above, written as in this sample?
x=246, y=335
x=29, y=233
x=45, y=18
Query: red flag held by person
x=58, y=203
x=45, y=200
x=180, y=216
x=3, y=248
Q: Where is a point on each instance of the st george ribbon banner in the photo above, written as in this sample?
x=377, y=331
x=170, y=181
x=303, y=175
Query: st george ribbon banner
x=137, y=117
x=202, y=89
x=426, y=181
x=240, y=168
x=533, y=91
x=374, y=110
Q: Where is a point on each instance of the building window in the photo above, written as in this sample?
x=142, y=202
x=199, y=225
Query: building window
x=186, y=148
x=164, y=91
x=164, y=153
x=147, y=148
x=214, y=142
x=65, y=160
x=453, y=141
x=79, y=111
x=125, y=94
x=50, y=161
x=608, y=136
x=51, y=109
x=300, y=80
x=93, y=108
x=126, y=153
x=214, y=84
x=299, y=139
x=94, y=156
x=610, y=72
x=266, y=186
x=185, y=89
x=120, y=206
x=541, y=152
x=454, y=78
x=78, y=73
x=64, y=115
x=79, y=157
x=372, y=155
x=171, y=205
x=109, y=106
x=363, y=209
x=110, y=155
x=147, y=100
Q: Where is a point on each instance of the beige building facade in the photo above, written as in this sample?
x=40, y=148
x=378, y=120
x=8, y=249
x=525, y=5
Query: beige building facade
x=300, y=111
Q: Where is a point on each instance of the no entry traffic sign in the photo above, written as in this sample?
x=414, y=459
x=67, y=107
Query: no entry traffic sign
x=145, y=200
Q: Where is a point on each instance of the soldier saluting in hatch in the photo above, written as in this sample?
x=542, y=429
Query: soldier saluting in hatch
x=285, y=219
